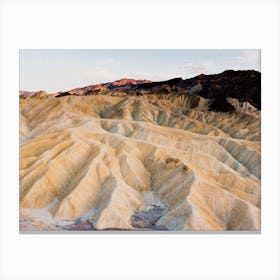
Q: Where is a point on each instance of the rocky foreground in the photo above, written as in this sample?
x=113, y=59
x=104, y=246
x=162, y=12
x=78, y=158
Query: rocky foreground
x=164, y=161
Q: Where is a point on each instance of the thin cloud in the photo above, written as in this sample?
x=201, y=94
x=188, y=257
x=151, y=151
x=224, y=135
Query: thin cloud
x=249, y=59
x=107, y=62
x=190, y=67
x=101, y=71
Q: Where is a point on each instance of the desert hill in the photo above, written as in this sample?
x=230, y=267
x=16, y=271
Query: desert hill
x=27, y=94
x=132, y=159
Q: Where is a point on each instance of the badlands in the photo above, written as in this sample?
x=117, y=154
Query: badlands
x=178, y=155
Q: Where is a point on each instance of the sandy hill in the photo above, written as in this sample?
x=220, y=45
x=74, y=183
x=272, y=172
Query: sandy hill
x=165, y=161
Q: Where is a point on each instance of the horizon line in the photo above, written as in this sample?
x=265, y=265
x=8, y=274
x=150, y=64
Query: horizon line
x=125, y=78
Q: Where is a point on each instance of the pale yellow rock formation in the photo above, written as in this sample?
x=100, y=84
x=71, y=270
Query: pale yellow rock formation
x=102, y=154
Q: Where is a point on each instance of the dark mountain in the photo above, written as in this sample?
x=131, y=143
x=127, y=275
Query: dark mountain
x=242, y=85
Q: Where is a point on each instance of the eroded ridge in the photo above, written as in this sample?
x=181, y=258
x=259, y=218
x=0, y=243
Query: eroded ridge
x=151, y=162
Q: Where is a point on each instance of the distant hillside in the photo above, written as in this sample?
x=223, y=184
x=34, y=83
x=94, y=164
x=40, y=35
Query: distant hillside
x=25, y=94
x=244, y=85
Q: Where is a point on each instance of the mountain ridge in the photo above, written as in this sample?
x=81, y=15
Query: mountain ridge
x=244, y=85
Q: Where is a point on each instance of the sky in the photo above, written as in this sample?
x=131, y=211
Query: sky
x=61, y=70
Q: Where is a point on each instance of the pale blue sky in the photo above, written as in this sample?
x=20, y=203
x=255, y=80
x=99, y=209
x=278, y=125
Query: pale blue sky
x=61, y=70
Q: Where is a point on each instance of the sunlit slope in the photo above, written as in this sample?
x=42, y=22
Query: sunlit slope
x=102, y=154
